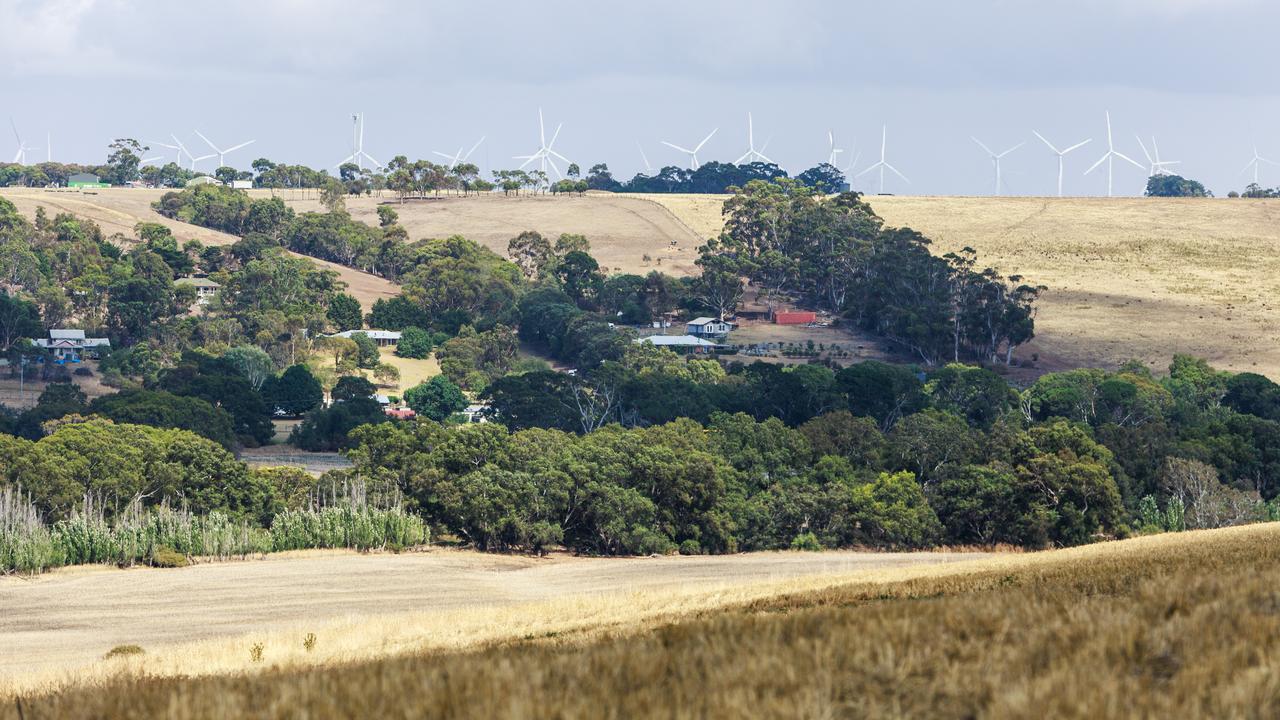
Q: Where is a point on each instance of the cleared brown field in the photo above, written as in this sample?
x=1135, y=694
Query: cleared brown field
x=623, y=229
x=57, y=626
x=1128, y=277
x=118, y=210
x=1181, y=625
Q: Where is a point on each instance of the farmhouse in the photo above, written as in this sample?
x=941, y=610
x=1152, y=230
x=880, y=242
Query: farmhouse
x=71, y=345
x=205, y=288
x=382, y=337
x=202, y=180
x=680, y=343
x=705, y=327
x=83, y=180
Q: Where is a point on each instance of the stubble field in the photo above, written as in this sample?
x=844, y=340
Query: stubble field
x=1178, y=625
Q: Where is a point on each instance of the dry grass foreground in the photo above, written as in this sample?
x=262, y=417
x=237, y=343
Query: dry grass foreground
x=1128, y=277
x=118, y=210
x=204, y=619
x=1183, y=625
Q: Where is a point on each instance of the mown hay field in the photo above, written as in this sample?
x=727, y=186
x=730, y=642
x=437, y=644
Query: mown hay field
x=1183, y=625
x=1128, y=278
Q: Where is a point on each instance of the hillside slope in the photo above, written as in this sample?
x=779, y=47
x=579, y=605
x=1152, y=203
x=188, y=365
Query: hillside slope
x=1128, y=277
x=118, y=210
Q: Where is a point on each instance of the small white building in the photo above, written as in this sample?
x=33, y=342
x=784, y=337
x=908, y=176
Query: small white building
x=707, y=327
x=205, y=288
x=72, y=345
x=383, y=338
x=241, y=184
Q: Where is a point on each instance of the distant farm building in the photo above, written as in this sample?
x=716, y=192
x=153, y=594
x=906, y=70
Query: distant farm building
x=705, y=327
x=241, y=184
x=72, y=345
x=205, y=288
x=86, y=180
x=795, y=317
x=202, y=180
x=383, y=338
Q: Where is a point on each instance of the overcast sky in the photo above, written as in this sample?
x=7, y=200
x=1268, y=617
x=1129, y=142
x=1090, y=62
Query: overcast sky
x=1196, y=74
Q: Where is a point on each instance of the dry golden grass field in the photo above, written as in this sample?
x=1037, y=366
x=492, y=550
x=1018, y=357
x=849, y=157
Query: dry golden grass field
x=1128, y=277
x=623, y=229
x=1182, y=625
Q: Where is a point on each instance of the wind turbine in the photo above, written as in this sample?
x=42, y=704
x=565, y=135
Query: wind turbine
x=358, y=155
x=833, y=151
x=996, y=158
x=883, y=164
x=1061, y=154
x=183, y=149
x=178, y=148
x=458, y=157
x=1255, y=162
x=21, y=156
x=546, y=150
x=1110, y=157
x=1153, y=157
x=222, y=154
x=648, y=169
x=751, y=154
x=693, y=154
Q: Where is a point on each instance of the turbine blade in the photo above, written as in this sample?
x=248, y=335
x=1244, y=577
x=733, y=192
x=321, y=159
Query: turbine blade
x=895, y=172
x=869, y=168
x=984, y=147
x=1144, y=149
x=1077, y=146
x=473, y=148
x=1046, y=142
x=237, y=147
x=202, y=137
x=677, y=147
x=554, y=136
x=1095, y=165
x=743, y=157
x=705, y=139
x=1015, y=147
x=1131, y=161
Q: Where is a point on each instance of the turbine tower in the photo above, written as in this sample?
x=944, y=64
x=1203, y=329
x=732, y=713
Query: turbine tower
x=751, y=155
x=883, y=164
x=1110, y=157
x=996, y=158
x=358, y=155
x=20, y=157
x=1153, y=157
x=222, y=154
x=693, y=154
x=458, y=157
x=1061, y=154
x=546, y=150
x=1255, y=163
x=832, y=150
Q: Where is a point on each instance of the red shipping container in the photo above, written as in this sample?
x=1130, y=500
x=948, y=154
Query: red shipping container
x=796, y=317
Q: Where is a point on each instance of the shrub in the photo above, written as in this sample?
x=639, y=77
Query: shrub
x=806, y=541
x=124, y=651
x=167, y=557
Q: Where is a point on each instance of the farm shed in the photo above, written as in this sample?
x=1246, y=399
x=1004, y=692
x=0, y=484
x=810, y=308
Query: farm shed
x=794, y=317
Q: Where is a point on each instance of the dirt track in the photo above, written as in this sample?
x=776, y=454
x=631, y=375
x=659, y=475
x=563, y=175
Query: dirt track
x=76, y=615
